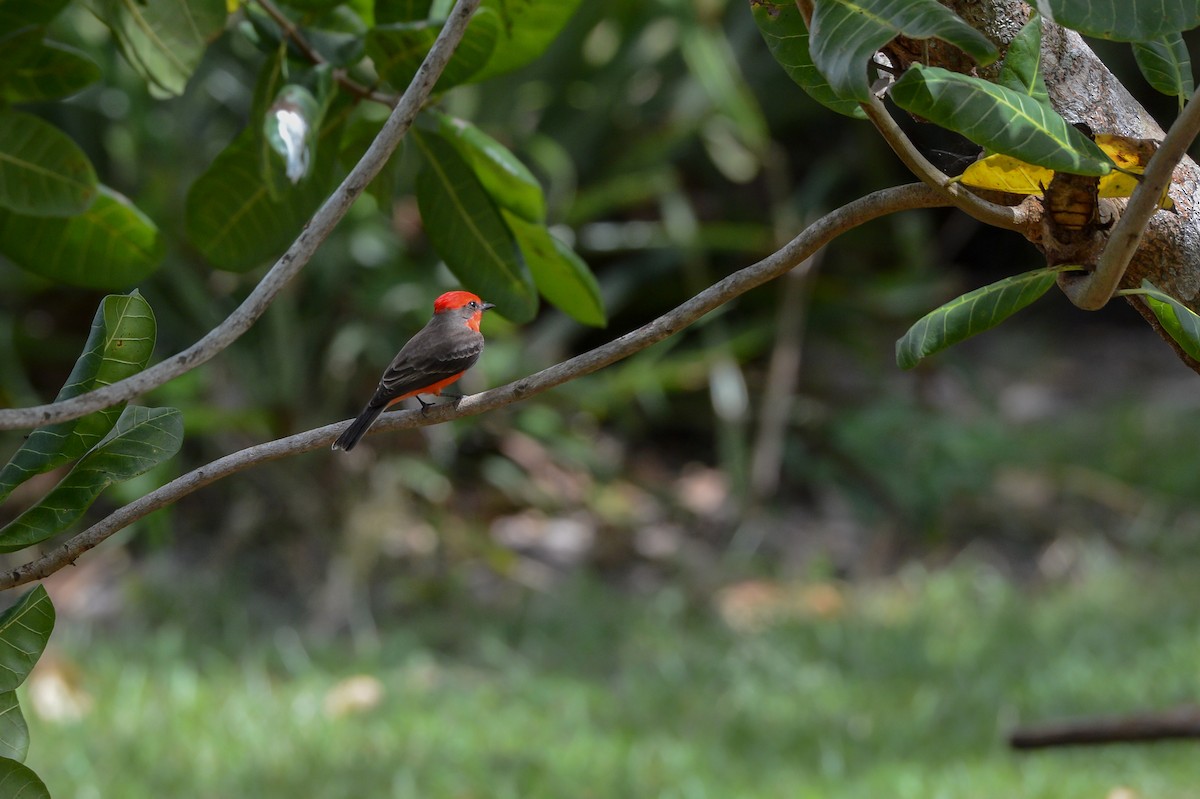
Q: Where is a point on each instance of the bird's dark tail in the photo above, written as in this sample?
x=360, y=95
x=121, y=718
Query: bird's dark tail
x=359, y=426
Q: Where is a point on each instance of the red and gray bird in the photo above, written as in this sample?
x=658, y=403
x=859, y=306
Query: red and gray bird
x=448, y=345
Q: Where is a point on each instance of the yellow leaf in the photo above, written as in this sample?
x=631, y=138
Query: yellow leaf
x=1005, y=173
x=1127, y=153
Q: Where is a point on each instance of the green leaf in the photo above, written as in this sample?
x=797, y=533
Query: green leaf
x=24, y=630
x=1123, y=20
x=782, y=27
x=1181, y=322
x=232, y=218
x=111, y=245
x=1167, y=65
x=399, y=49
x=1022, y=67
x=999, y=119
x=53, y=71
x=509, y=182
x=14, y=732
x=119, y=345
x=561, y=276
x=17, y=48
x=16, y=14
x=311, y=5
x=975, y=312
x=360, y=133
x=42, y=172
x=271, y=78
x=18, y=780
x=388, y=12
x=141, y=439
x=468, y=232
x=527, y=28
x=847, y=33
x=162, y=40
x=711, y=61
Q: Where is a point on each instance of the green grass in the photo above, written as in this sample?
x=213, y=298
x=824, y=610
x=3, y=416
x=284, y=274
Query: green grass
x=589, y=692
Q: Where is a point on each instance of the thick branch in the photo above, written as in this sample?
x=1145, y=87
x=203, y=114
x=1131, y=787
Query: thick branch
x=288, y=265
x=1083, y=89
x=1095, y=290
x=799, y=249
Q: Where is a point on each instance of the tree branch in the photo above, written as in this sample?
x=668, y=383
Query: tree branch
x=795, y=252
x=1093, y=291
x=288, y=265
x=290, y=31
x=1014, y=218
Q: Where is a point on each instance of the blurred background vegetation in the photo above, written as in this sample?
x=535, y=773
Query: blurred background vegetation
x=754, y=560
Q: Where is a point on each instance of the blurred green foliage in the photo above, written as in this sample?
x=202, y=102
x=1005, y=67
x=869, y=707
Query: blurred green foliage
x=902, y=688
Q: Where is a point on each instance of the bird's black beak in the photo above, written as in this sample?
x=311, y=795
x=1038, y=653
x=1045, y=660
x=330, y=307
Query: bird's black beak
x=487, y=306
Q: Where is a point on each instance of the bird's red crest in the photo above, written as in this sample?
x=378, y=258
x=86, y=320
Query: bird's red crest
x=454, y=299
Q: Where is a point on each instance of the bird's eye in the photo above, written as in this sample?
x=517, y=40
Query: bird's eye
x=473, y=304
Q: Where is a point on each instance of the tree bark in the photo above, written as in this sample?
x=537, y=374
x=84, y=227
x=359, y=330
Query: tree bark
x=1082, y=89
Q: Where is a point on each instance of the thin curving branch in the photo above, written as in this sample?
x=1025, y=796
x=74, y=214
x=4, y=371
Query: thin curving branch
x=1010, y=218
x=288, y=265
x=797, y=251
x=1093, y=291
x=341, y=75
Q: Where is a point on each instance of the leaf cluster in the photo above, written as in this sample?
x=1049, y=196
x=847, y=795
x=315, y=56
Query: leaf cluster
x=24, y=631
x=827, y=52
x=323, y=64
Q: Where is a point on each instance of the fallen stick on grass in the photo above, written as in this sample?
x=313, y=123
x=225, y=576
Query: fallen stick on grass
x=1164, y=725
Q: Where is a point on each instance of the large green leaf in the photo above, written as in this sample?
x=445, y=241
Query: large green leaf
x=18, y=781
x=24, y=630
x=141, y=439
x=783, y=29
x=1123, y=20
x=392, y=11
x=17, y=47
x=51, y=71
x=847, y=33
x=1167, y=65
x=111, y=245
x=119, y=345
x=232, y=218
x=1022, y=67
x=163, y=40
x=963, y=317
x=398, y=49
x=509, y=182
x=19, y=13
x=561, y=276
x=14, y=732
x=42, y=172
x=999, y=119
x=468, y=232
x=1180, y=321
x=527, y=27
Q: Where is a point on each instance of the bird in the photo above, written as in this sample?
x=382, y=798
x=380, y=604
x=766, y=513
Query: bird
x=439, y=353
